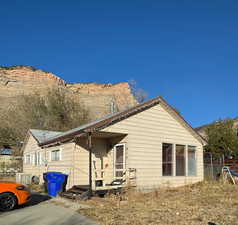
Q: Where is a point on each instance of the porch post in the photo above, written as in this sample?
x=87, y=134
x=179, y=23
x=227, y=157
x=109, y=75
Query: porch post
x=90, y=164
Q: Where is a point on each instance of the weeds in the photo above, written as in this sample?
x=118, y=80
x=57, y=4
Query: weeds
x=191, y=205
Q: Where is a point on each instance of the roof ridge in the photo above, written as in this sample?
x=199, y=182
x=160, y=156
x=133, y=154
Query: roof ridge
x=108, y=118
x=116, y=117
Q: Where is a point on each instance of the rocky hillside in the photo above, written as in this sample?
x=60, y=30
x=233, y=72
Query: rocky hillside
x=202, y=129
x=100, y=99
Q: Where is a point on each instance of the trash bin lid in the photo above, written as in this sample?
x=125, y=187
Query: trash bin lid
x=52, y=175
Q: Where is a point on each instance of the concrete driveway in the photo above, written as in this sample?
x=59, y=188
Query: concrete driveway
x=44, y=213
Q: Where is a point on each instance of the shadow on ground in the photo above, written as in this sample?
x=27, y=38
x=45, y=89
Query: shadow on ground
x=36, y=198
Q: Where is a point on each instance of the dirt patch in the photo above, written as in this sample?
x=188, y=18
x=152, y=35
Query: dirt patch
x=190, y=205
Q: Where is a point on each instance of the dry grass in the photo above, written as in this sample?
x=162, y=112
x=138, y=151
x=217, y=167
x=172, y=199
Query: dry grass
x=37, y=188
x=191, y=205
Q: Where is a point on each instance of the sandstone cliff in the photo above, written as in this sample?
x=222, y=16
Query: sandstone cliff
x=100, y=99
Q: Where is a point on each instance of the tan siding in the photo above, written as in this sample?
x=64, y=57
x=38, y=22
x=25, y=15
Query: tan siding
x=101, y=149
x=30, y=148
x=64, y=165
x=146, y=133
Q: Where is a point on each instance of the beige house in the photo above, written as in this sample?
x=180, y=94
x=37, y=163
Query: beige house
x=148, y=145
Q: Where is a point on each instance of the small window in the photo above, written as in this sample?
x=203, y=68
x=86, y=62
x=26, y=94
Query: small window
x=167, y=157
x=28, y=159
x=192, y=164
x=33, y=159
x=180, y=160
x=55, y=155
x=36, y=159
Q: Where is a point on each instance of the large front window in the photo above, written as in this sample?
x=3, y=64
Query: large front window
x=178, y=160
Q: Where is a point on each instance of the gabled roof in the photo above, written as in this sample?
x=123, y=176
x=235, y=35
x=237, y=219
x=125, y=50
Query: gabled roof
x=42, y=135
x=116, y=117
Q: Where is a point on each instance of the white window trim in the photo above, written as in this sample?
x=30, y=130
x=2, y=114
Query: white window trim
x=60, y=155
x=27, y=156
x=196, y=160
x=114, y=157
x=174, y=159
x=33, y=159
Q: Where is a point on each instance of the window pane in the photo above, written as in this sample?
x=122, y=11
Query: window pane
x=180, y=160
x=55, y=155
x=167, y=158
x=119, y=153
x=192, y=164
x=119, y=173
x=119, y=160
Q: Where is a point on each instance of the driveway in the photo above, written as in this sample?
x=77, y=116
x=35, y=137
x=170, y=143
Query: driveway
x=45, y=213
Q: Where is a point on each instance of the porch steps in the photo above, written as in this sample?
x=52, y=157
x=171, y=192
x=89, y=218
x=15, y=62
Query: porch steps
x=77, y=192
x=81, y=192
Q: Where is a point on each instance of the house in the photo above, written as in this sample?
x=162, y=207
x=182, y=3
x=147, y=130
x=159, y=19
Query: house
x=148, y=145
x=9, y=162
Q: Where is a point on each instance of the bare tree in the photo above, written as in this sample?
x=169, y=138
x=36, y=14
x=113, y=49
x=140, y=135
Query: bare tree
x=139, y=94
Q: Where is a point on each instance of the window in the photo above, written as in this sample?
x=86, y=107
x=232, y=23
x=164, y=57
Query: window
x=192, y=170
x=36, y=159
x=33, y=159
x=174, y=161
x=119, y=160
x=27, y=159
x=180, y=160
x=39, y=160
x=55, y=155
x=167, y=157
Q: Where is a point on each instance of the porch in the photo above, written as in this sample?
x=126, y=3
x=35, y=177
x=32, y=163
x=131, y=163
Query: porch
x=108, y=167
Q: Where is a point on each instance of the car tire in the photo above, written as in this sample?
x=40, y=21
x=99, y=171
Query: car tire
x=8, y=201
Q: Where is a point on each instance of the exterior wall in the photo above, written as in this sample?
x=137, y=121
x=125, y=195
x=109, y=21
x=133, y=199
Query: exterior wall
x=65, y=165
x=102, y=155
x=146, y=133
x=74, y=161
x=30, y=148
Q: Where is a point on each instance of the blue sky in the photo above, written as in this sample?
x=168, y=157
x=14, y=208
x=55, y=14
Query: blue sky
x=186, y=51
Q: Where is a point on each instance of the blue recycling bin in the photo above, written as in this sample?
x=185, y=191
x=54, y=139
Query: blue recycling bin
x=56, y=182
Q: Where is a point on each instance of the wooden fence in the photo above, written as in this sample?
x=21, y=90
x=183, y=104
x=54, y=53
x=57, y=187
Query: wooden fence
x=232, y=163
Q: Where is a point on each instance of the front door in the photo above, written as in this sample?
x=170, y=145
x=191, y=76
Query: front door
x=119, y=160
